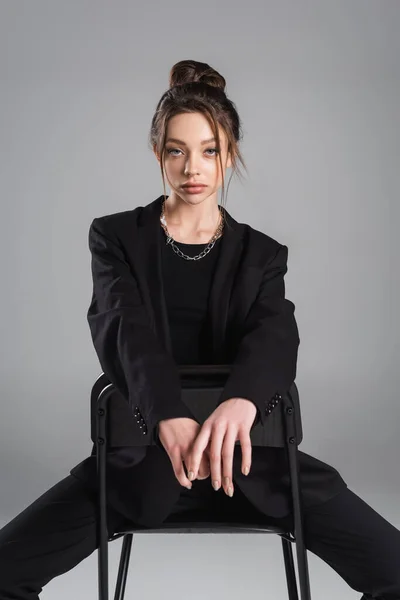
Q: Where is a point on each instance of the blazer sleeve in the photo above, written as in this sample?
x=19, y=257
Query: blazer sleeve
x=266, y=359
x=129, y=351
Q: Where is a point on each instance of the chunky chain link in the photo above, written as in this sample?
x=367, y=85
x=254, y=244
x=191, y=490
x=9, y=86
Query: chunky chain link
x=178, y=251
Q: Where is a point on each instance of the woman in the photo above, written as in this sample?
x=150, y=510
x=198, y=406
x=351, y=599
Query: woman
x=180, y=281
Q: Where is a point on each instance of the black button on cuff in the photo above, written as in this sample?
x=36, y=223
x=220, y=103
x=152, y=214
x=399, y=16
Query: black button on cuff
x=273, y=403
x=140, y=421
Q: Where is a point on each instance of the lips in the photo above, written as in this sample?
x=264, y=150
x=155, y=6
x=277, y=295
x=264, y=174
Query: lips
x=194, y=189
x=193, y=185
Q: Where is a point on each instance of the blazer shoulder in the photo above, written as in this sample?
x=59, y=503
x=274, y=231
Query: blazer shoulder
x=255, y=237
x=126, y=221
x=118, y=219
x=264, y=239
x=262, y=247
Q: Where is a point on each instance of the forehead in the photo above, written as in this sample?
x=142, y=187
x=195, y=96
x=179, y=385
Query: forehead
x=192, y=128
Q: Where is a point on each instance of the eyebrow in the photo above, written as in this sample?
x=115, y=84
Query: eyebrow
x=184, y=144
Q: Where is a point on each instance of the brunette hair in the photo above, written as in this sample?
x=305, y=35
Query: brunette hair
x=197, y=87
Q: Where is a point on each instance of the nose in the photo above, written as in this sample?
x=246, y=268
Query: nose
x=191, y=168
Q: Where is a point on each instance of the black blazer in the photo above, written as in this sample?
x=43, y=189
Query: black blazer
x=253, y=328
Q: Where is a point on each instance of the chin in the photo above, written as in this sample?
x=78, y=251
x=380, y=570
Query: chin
x=193, y=198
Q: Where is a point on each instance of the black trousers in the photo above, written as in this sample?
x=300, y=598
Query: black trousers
x=58, y=530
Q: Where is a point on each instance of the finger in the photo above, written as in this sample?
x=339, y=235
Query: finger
x=204, y=468
x=177, y=464
x=227, y=459
x=217, y=438
x=245, y=444
x=196, y=453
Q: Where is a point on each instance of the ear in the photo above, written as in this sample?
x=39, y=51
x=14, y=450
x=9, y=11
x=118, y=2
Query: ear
x=228, y=161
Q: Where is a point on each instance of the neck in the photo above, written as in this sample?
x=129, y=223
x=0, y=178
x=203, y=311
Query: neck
x=192, y=221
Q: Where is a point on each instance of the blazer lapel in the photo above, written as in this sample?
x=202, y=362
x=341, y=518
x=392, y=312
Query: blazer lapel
x=147, y=262
x=222, y=284
x=146, y=257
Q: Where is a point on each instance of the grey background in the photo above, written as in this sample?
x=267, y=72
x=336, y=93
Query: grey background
x=317, y=86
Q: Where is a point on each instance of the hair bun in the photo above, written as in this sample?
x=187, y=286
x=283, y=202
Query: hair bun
x=189, y=71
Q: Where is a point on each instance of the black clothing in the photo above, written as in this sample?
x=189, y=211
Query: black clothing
x=251, y=325
x=136, y=334
x=187, y=285
x=58, y=530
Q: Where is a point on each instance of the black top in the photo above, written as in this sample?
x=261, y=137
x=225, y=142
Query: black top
x=187, y=285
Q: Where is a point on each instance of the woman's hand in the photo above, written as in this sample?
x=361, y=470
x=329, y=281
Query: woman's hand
x=230, y=421
x=177, y=436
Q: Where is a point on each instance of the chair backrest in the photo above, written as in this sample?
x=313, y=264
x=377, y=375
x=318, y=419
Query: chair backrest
x=201, y=388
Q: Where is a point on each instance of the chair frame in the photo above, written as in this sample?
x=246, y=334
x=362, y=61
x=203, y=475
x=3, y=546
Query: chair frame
x=291, y=444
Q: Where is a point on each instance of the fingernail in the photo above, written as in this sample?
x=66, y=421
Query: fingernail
x=189, y=487
x=230, y=491
x=216, y=485
x=226, y=480
x=246, y=470
x=191, y=475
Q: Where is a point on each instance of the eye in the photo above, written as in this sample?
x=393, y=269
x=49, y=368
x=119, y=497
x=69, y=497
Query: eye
x=170, y=150
x=213, y=150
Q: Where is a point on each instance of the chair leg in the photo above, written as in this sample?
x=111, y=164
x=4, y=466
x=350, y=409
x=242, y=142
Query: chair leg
x=301, y=551
x=101, y=445
x=302, y=566
x=289, y=568
x=103, y=567
x=123, y=567
x=103, y=547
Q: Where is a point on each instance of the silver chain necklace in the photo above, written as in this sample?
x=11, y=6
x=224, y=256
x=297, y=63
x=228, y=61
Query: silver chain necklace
x=178, y=251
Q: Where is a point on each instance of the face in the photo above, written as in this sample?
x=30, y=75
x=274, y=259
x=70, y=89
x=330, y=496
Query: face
x=191, y=156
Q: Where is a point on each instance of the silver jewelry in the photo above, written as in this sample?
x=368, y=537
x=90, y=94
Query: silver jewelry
x=178, y=251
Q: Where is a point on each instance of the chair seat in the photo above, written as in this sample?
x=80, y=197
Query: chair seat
x=203, y=527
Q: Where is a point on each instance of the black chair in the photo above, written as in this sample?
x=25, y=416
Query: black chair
x=201, y=387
